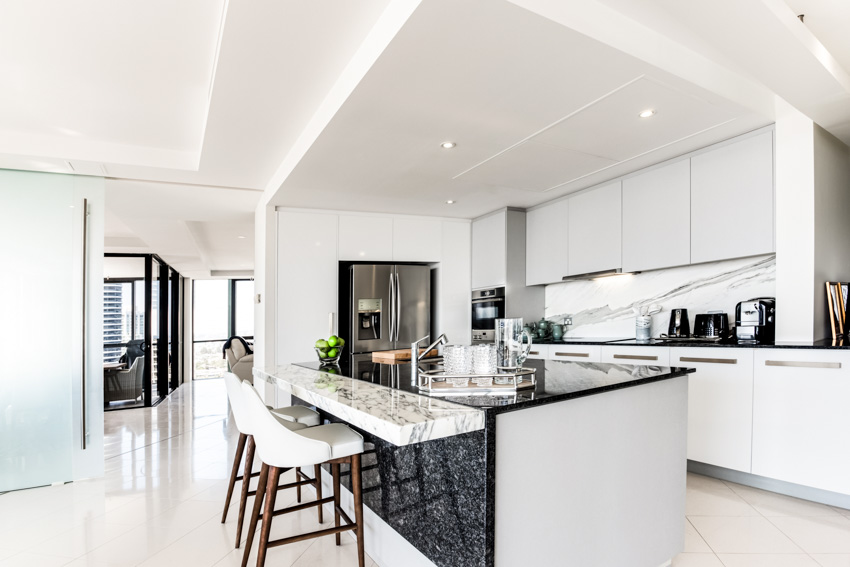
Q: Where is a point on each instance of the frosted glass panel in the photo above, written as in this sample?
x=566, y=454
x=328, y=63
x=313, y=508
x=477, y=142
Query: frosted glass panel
x=37, y=331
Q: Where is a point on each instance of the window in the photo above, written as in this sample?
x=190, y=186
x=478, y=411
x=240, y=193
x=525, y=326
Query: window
x=221, y=309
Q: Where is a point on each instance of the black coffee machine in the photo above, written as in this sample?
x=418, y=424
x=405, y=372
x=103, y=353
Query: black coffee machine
x=755, y=320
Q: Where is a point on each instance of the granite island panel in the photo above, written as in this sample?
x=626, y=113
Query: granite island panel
x=438, y=492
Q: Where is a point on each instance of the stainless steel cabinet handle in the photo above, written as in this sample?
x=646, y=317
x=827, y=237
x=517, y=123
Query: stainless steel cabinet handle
x=635, y=357
x=534, y=352
x=708, y=360
x=800, y=364
x=84, y=345
x=488, y=299
x=576, y=354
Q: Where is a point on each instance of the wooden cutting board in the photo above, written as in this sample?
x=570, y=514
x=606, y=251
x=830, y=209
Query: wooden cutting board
x=396, y=355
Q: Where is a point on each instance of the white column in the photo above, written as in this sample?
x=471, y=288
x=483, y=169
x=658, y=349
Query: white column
x=795, y=224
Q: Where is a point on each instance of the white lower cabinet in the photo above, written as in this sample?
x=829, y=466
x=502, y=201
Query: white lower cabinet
x=801, y=424
x=539, y=352
x=720, y=405
x=636, y=355
x=575, y=353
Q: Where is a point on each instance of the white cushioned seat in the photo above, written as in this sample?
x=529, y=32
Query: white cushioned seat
x=342, y=440
x=298, y=414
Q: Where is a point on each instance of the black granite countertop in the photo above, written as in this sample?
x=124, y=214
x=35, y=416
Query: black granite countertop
x=821, y=344
x=581, y=341
x=555, y=381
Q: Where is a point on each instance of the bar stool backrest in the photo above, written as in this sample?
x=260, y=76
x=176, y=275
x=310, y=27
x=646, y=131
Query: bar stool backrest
x=277, y=445
x=237, y=403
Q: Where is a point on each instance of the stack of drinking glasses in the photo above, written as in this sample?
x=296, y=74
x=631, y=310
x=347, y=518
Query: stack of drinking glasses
x=484, y=362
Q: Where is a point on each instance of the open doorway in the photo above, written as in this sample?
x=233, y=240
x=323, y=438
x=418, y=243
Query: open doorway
x=220, y=309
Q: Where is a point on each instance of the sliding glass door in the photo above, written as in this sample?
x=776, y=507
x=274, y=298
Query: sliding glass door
x=141, y=330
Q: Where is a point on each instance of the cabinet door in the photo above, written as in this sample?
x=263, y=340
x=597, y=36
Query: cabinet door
x=546, y=243
x=489, y=253
x=417, y=240
x=575, y=353
x=307, y=282
x=636, y=355
x=656, y=218
x=801, y=426
x=595, y=228
x=720, y=405
x=732, y=186
x=366, y=238
x=539, y=351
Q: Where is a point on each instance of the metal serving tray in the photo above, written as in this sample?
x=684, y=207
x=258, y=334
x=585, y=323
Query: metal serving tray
x=520, y=379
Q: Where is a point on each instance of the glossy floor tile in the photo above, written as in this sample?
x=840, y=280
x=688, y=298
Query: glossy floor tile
x=160, y=504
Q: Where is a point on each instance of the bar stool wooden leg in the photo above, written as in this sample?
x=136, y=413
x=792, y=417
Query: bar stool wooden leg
x=268, y=513
x=240, y=448
x=298, y=477
x=246, y=482
x=318, y=485
x=255, y=513
x=335, y=473
x=357, y=489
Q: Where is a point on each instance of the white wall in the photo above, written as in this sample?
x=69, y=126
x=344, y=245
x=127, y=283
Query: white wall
x=265, y=273
x=832, y=221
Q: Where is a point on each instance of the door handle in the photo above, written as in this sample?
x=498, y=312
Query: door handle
x=392, y=307
x=635, y=357
x=84, y=345
x=708, y=360
x=799, y=364
x=397, y=306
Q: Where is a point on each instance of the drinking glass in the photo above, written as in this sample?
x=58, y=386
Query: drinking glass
x=457, y=360
x=484, y=359
x=510, y=350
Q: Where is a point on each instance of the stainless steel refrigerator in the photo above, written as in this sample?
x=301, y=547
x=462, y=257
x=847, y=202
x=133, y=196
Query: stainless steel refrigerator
x=389, y=306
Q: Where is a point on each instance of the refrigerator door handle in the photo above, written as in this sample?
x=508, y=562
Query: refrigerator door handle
x=392, y=308
x=397, y=306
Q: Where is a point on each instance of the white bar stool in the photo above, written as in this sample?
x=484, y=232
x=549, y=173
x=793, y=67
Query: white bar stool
x=292, y=417
x=282, y=448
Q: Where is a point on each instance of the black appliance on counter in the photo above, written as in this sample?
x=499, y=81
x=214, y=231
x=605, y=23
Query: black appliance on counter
x=679, y=324
x=714, y=326
x=755, y=320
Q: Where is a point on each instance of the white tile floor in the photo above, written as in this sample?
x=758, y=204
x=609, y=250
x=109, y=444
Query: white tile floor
x=166, y=476
x=160, y=501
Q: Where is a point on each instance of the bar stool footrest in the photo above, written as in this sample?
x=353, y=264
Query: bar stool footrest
x=311, y=535
x=304, y=506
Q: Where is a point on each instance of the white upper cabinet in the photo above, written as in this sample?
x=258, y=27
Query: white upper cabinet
x=657, y=218
x=365, y=238
x=547, y=243
x=732, y=186
x=595, y=229
x=489, y=251
x=417, y=239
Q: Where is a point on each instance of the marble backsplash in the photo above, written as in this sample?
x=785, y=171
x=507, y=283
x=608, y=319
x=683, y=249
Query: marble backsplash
x=603, y=307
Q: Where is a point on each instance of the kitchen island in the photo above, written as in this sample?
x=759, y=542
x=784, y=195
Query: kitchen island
x=586, y=468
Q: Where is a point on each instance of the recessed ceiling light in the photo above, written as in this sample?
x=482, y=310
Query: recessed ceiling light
x=450, y=202
x=647, y=113
x=447, y=145
x=240, y=237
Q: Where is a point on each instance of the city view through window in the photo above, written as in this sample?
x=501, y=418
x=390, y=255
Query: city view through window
x=221, y=309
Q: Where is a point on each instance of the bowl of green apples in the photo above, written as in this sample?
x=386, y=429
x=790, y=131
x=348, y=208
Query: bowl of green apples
x=329, y=350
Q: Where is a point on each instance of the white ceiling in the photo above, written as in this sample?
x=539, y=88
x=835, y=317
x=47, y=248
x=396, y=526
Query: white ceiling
x=198, y=112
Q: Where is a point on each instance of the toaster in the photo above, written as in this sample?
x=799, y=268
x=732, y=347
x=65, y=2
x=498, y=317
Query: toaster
x=711, y=326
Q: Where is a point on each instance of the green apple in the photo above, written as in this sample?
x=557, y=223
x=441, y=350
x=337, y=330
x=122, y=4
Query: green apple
x=333, y=340
x=333, y=352
x=322, y=344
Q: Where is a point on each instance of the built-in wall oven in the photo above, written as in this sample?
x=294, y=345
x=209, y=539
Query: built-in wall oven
x=487, y=306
